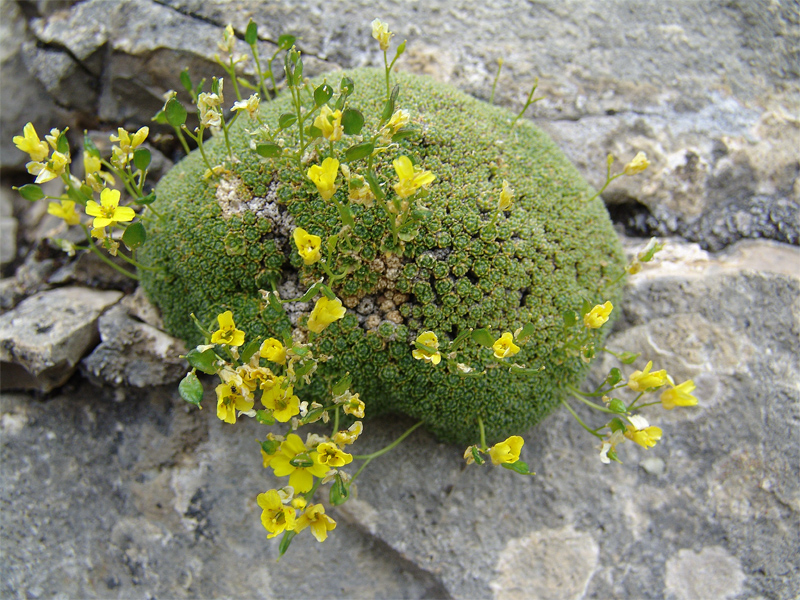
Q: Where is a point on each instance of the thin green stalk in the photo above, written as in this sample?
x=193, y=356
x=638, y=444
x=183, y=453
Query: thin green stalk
x=483, y=435
x=335, y=421
x=93, y=247
x=137, y=264
x=579, y=420
x=496, y=77
x=367, y=458
x=388, y=69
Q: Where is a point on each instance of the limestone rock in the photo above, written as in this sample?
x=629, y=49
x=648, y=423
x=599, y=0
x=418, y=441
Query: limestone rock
x=44, y=337
x=132, y=353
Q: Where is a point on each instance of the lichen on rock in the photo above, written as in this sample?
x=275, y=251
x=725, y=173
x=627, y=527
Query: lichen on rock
x=219, y=246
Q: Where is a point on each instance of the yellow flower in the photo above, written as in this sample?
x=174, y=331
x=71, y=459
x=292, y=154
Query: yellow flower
x=507, y=451
x=108, y=212
x=380, y=31
x=324, y=177
x=399, y=120
x=678, y=395
x=505, y=346
x=325, y=312
x=329, y=123
x=428, y=338
x=640, y=381
x=637, y=165
x=227, y=333
x=331, y=455
x=506, y=196
x=128, y=144
x=598, y=316
x=65, y=210
x=45, y=172
x=360, y=192
x=354, y=406
x=296, y=461
x=320, y=523
x=208, y=105
x=343, y=438
x=641, y=432
x=282, y=402
x=276, y=517
x=273, y=351
x=250, y=105
x=299, y=503
x=307, y=245
x=411, y=178
x=229, y=400
x=30, y=143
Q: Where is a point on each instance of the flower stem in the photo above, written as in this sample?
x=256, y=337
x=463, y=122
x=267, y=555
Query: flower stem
x=579, y=420
x=368, y=457
x=483, y=435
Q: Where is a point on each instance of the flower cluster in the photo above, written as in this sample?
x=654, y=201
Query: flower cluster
x=128, y=162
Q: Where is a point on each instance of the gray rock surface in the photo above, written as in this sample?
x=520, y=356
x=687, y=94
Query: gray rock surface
x=134, y=354
x=165, y=504
x=129, y=492
x=43, y=338
x=710, y=90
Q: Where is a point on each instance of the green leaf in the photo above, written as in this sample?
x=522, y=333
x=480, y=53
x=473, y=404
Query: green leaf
x=62, y=145
x=134, y=235
x=483, y=337
x=251, y=33
x=89, y=147
x=618, y=406
x=186, y=81
x=268, y=150
x=269, y=446
x=160, y=117
x=404, y=133
x=342, y=385
x=285, y=541
x=305, y=368
x=286, y=41
x=330, y=243
x=175, y=112
x=347, y=86
x=352, y=121
x=312, y=291
x=265, y=418
x=287, y=120
x=145, y=200
x=214, y=85
x=616, y=424
x=628, y=358
x=570, y=318
x=518, y=467
x=322, y=94
x=274, y=303
x=400, y=49
x=327, y=292
x=614, y=377
x=203, y=361
x=526, y=332
x=191, y=389
x=359, y=151
x=476, y=456
x=313, y=132
x=340, y=491
x=141, y=158
x=586, y=307
x=198, y=88
x=86, y=190
x=249, y=349
x=388, y=108
x=376, y=188
x=31, y=192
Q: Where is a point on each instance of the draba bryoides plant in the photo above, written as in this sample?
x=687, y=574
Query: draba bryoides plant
x=366, y=242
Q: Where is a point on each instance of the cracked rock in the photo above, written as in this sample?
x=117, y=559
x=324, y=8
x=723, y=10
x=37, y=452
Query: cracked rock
x=133, y=353
x=44, y=337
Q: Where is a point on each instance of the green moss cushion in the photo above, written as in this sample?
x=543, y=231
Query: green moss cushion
x=219, y=245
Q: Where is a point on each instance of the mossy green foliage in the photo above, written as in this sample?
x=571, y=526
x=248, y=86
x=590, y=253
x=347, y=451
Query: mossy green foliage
x=551, y=252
